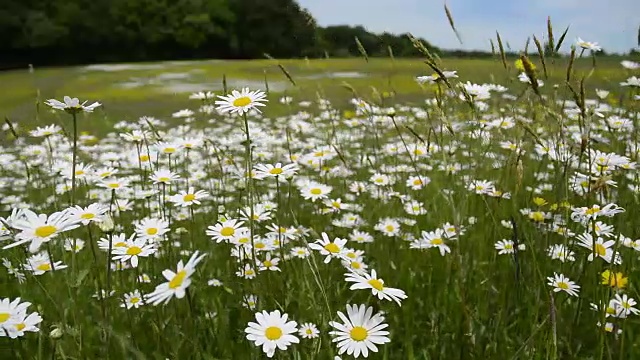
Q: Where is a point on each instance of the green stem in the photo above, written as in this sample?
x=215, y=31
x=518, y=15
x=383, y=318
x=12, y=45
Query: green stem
x=75, y=154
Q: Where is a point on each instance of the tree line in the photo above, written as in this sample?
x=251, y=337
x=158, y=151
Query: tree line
x=92, y=31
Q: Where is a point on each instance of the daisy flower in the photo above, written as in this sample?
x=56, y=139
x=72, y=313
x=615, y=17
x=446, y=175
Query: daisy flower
x=277, y=170
x=188, y=198
x=328, y=248
x=587, y=45
x=314, y=191
x=389, y=227
x=177, y=282
x=10, y=313
x=41, y=263
x=626, y=304
x=562, y=283
x=308, y=331
x=268, y=263
x=599, y=248
x=74, y=245
x=151, y=228
x=272, y=331
x=241, y=102
x=226, y=230
x=359, y=331
x=24, y=323
x=300, y=252
x=202, y=95
x=163, y=176
x=371, y=281
x=37, y=229
x=132, y=250
x=113, y=184
x=132, y=300
x=92, y=213
x=71, y=105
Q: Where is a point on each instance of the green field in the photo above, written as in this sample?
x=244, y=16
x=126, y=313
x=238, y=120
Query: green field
x=471, y=203
x=158, y=89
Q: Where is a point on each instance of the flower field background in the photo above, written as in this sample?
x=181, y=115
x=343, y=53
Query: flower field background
x=322, y=209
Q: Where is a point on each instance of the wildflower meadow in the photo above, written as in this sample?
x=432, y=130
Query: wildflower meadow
x=471, y=220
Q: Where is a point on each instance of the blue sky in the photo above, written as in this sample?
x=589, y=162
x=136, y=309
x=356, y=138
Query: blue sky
x=611, y=23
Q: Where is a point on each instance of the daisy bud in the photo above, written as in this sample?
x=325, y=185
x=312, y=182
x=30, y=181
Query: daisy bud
x=56, y=333
x=107, y=225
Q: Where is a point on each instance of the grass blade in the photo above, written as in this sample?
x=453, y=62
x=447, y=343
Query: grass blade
x=550, y=34
x=572, y=58
x=451, y=23
x=561, y=40
x=541, y=55
x=503, y=56
x=362, y=50
x=283, y=70
x=11, y=128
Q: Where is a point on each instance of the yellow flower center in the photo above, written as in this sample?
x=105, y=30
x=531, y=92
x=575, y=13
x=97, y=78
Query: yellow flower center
x=315, y=191
x=272, y=332
x=152, y=231
x=120, y=244
x=79, y=172
x=336, y=204
x=358, y=333
x=113, y=185
x=178, y=279
x=134, y=300
x=376, y=284
x=20, y=326
x=355, y=265
x=332, y=248
x=267, y=263
x=169, y=150
x=417, y=182
x=275, y=171
x=308, y=332
x=389, y=228
x=563, y=285
x=592, y=211
x=508, y=246
x=227, y=231
x=144, y=158
x=188, y=197
x=44, y=267
x=88, y=216
x=4, y=317
x=243, y=240
x=242, y=101
x=45, y=231
x=260, y=245
x=164, y=179
x=105, y=174
x=351, y=255
x=600, y=250
x=134, y=250
x=437, y=241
